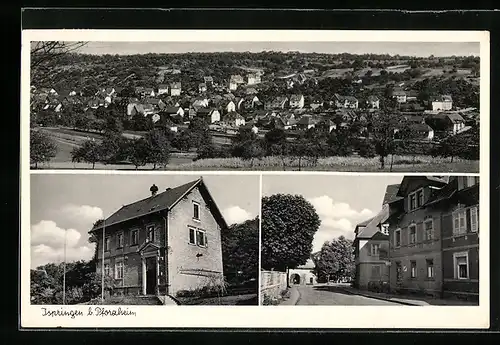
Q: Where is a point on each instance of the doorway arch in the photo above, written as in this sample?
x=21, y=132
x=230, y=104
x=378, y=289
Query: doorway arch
x=295, y=279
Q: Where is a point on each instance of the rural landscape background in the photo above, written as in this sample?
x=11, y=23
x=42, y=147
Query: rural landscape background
x=267, y=110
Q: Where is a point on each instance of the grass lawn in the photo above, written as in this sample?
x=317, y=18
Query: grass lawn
x=248, y=299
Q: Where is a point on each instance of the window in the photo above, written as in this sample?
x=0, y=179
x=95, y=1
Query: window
x=150, y=233
x=413, y=234
x=134, y=237
x=413, y=269
x=397, y=238
x=106, y=269
x=430, y=268
x=107, y=243
x=461, y=261
x=119, y=270
x=385, y=229
x=420, y=197
x=375, y=249
x=120, y=240
x=459, y=222
x=200, y=238
x=196, y=211
x=413, y=199
x=429, y=229
x=192, y=235
x=473, y=219
x=376, y=271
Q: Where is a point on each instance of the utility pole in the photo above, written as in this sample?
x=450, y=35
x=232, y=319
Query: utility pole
x=102, y=264
x=64, y=269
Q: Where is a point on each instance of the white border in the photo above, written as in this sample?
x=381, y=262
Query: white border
x=262, y=317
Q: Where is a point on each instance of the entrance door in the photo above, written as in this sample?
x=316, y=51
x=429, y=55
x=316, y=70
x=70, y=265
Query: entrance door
x=151, y=276
x=399, y=273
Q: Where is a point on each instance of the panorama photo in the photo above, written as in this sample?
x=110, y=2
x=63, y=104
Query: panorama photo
x=327, y=106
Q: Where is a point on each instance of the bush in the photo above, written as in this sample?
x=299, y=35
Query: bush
x=267, y=300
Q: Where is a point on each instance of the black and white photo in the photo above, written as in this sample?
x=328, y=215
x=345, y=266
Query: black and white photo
x=329, y=106
x=169, y=240
x=410, y=240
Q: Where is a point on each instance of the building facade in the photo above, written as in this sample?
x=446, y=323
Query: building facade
x=433, y=233
x=163, y=244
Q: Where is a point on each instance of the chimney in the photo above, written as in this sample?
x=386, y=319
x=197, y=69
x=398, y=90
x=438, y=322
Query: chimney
x=168, y=188
x=153, y=190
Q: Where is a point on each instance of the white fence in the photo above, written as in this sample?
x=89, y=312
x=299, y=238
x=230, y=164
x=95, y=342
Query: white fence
x=272, y=283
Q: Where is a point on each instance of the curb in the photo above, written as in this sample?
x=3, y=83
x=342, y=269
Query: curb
x=381, y=298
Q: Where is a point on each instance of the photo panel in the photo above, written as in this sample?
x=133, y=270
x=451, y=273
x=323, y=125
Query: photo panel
x=169, y=240
x=262, y=100
x=375, y=240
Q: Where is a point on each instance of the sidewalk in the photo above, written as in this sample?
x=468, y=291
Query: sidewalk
x=294, y=297
x=407, y=300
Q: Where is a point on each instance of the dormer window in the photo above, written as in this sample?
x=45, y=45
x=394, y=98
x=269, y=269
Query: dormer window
x=416, y=199
x=385, y=229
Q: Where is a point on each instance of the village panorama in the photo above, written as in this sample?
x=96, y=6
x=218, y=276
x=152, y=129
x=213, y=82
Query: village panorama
x=254, y=111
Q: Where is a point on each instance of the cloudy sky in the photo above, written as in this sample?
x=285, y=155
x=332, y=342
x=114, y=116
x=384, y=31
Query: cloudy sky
x=340, y=201
x=424, y=49
x=72, y=203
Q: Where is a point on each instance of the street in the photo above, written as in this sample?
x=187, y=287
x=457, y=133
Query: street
x=333, y=295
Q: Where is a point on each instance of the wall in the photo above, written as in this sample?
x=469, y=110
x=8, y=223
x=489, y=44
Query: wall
x=468, y=242
x=365, y=262
x=132, y=272
x=419, y=252
x=182, y=255
x=271, y=284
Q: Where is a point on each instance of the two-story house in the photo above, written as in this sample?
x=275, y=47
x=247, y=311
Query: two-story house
x=415, y=237
x=371, y=244
x=162, y=244
x=175, y=89
x=442, y=102
x=346, y=102
x=459, y=204
x=297, y=101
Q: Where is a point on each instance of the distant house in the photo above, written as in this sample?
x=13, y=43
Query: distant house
x=202, y=87
x=174, y=111
x=297, y=101
x=233, y=119
x=411, y=95
x=251, y=91
x=306, y=122
x=164, y=121
x=208, y=80
x=422, y=130
x=149, y=92
x=54, y=105
x=211, y=115
x=399, y=95
x=175, y=89
x=346, y=102
x=300, y=78
x=156, y=103
x=201, y=102
x=249, y=102
x=278, y=103
x=253, y=78
x=450, y=123
x=230, y=106
x=443, y=102
x=167, y=242
x=105, y=92
x=326, y=125
x=290, y=83
x=162, y=89
x=371, y=246
x=373, y=102
x=48, y=91
x=232, y=85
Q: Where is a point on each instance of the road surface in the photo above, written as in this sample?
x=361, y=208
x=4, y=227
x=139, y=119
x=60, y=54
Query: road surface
x=333, y=295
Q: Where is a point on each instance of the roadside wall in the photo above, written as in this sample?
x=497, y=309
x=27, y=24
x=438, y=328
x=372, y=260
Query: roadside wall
x=271, y=284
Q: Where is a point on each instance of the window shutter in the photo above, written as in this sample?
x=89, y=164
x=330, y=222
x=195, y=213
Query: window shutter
x=205, y=238
x=370, y=250
x=474, y=219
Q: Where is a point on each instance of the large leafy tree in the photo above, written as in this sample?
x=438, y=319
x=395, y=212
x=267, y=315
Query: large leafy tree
x=90, y=152
x=335, y=260
x=158, y=148
x=289, y=223
x=240, y=251
x=42, y=148
x=383, y=132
